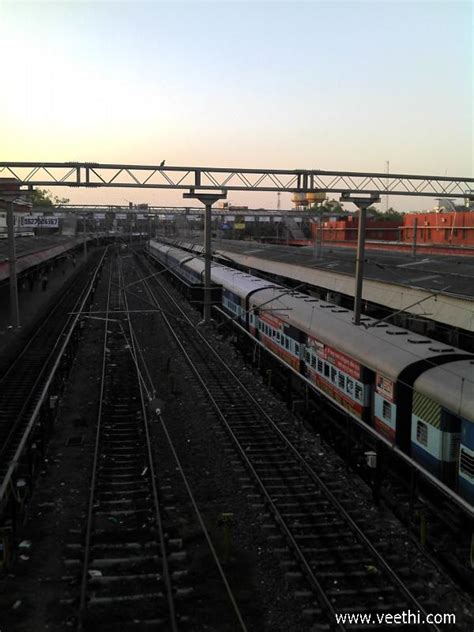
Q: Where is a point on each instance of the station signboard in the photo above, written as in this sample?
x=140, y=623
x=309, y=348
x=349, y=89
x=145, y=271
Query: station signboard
x=39, y=221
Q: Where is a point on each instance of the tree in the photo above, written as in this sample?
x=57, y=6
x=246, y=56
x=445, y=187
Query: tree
x=43, y=198
x=391, y=215
x=332, y=207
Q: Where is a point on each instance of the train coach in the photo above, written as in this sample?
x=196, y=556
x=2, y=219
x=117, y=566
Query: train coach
x=416, y=392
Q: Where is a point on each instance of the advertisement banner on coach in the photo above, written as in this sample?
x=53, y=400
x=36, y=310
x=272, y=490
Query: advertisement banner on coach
x=384, y=387
x=337, y=358
x=270, y=320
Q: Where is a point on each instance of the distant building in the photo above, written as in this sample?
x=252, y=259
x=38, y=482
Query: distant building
x=452, y=228
x=455, y=228
x=344, y=229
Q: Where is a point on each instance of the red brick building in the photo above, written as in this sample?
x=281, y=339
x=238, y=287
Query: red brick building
x=345, y=229
x=452, y=229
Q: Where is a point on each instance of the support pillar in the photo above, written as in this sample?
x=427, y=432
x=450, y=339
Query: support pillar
x=84, y=245
x=362, y=203
x=207, y=263
x=415, y=231
x=208, y=199
x=14, y=306
x=359, y=274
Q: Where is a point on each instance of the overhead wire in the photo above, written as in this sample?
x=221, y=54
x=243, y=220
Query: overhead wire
x=389, y=342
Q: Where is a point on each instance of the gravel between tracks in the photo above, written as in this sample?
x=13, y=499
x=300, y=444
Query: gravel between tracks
x=60, y=501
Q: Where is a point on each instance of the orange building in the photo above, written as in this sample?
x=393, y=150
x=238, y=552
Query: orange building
x=345, y=229
x=455, y=228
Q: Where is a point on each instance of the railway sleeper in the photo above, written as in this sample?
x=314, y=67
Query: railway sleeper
x=136, y=625
x=127, y=546
x=143, y=491
x=108, y=584
x=125, y=513
x=118, y=607
x=125, y=562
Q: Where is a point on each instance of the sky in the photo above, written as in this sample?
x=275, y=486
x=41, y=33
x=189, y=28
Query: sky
x=323, y=85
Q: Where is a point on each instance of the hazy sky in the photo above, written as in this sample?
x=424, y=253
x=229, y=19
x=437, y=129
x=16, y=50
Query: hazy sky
x=330, y=85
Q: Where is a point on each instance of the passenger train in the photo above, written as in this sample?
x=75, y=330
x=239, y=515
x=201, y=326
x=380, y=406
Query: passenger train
x=416, y=392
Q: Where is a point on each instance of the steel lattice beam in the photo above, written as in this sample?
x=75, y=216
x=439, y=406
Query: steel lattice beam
x=95, y=175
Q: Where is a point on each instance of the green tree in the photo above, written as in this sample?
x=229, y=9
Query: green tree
x=328, y=206
x=391, y=215
x=44, y=199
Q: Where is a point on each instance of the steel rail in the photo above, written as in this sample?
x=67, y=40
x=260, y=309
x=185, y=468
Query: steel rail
x=90, y=509
x=136, y=345
x=312, y=578
x=186, y=482
x=461, y=503
x=44, y=368
x=37, y=332
x=435, y=482
x=202, y=525
x=156, y=502
x=312, y=474
x=14, y=462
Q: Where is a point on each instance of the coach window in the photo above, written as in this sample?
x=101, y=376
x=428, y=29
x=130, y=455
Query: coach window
x=307, y=356
x=358, y=392
x=350, y=386
x=326, y=369
x=313, y=362
x=297, y=349
x=466, y=464
x=422, y=433
x=287, y=343
x=387, y=411
x=333, y=375
x=341, y=380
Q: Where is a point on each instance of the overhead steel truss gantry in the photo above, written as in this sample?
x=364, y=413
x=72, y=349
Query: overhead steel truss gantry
x=97, y=175
x=209, y=184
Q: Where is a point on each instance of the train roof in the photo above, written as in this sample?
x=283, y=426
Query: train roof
x=382, y=347
x=453, y=384
x=239, y=282
x=234, y=280
x=379, y=346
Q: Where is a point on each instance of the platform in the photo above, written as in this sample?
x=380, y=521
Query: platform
x=32, y=251
x=34, y=301
x=443, y=286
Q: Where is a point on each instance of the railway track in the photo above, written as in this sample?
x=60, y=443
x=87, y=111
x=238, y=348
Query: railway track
x=23, y=383
x=332, y=564
x=129, y=564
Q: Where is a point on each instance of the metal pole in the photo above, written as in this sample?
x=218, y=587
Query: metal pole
x=359, y=264
x=14, y=306
x=207, y=264
x=320, y=237
x=415, y=230
x=85, y=238
x=208, y=199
